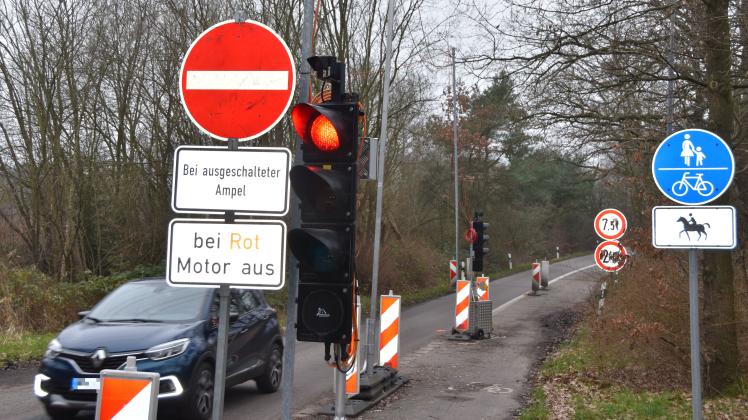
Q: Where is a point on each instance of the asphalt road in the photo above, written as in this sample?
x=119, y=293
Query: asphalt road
x=312, y=379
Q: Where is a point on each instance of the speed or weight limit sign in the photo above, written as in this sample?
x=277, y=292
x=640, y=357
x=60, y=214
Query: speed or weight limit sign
x=610, y=224
x=610, y=256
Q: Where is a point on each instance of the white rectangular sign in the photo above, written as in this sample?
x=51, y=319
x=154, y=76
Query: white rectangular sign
x=247, y=254
x=211, y=180
x=688, y=227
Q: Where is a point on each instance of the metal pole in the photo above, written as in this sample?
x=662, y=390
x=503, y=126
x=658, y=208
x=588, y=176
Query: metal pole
x=289, y=353
x=671, y=82
x=219, y=387
x=456, y=166
x=339, y=394
x=371, y=324
x=693, y=303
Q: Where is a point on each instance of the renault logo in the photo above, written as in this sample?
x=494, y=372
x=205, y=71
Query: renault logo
x=97, y=359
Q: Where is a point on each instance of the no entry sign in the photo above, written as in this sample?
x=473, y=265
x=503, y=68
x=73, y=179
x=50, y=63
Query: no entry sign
x=237, y=80
x=610, y=256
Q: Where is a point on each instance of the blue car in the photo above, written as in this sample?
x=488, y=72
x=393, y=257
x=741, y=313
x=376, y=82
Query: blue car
x=170, y=330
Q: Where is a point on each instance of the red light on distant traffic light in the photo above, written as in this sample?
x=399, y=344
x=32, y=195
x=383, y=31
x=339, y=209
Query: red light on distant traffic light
x=324, y=135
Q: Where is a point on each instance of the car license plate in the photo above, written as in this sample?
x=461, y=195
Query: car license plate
x=85, y=384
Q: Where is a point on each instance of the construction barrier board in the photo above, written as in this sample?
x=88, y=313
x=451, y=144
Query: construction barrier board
x=462, y=305
x=389, y=330
x=483, y=288
x=127, y=395
x=353, y=376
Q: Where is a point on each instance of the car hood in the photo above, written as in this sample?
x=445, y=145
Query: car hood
x=116, y=337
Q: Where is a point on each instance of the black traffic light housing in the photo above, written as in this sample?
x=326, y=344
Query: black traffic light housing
x=479, y=249
x=326, y=184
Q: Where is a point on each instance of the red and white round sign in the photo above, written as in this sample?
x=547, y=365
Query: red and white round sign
x=610, y=224
x=237, y=80
x=610, y=256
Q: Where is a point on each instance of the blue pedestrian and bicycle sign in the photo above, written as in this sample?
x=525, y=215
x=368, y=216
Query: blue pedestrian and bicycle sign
x=693, y=167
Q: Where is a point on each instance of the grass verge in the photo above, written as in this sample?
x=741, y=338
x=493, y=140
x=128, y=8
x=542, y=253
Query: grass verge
x=22, y=348
x=576, y=382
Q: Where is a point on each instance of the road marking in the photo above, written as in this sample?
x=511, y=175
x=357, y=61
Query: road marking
x=237, y=80
x=504, y=305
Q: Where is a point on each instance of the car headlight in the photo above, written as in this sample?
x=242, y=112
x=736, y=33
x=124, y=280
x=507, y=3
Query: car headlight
x=54, y=348
x=167, y=350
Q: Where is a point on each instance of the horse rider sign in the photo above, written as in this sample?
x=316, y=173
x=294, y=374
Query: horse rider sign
x=705, y=227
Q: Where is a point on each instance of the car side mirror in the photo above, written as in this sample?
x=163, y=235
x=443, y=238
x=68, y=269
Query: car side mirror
x=83, y=314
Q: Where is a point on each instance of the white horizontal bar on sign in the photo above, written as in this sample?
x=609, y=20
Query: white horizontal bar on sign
x=237, y=80
x=693, y=169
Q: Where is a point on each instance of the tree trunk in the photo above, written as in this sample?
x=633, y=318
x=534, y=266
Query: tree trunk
x=720, y=336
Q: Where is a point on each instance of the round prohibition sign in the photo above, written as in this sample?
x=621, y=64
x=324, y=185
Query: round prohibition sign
x=610, y=224
x=237, y=80
x=610, y=256
x=471, y=235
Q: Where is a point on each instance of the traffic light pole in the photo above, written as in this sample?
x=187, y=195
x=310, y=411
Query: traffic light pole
x=371, y=325
x=289, y=353
x=454, y=134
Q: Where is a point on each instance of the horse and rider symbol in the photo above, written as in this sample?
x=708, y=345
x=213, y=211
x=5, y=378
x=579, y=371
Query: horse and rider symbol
x=690, y=225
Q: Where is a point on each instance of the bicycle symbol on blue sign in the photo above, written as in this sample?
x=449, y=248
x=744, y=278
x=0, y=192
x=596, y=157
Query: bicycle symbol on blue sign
x=693, y=166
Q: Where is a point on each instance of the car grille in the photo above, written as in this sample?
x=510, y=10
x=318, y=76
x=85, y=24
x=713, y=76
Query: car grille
x=85, y=363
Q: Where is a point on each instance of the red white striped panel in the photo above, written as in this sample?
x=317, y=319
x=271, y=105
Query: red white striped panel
x=389, y=330
x=462, y=304
x=482, y=287
x=352, y=383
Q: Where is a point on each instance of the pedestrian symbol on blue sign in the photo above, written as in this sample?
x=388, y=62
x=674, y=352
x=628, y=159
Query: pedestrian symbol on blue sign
x=693, y=167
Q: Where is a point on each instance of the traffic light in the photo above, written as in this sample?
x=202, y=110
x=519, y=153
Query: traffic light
x=326, y=185
x=479, y=249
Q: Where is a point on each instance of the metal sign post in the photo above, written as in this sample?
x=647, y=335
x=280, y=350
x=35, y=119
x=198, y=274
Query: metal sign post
x=693, y=305
x=219, y=387
x=372, y=322
x=219, y=384
x=339, y=394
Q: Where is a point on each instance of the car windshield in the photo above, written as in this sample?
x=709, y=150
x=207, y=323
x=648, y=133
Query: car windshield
x=151, y=301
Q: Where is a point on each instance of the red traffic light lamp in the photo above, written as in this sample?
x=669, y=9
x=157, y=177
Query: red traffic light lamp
x=328, y=130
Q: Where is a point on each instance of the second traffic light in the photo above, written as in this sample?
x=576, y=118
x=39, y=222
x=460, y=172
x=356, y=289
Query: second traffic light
x=479, y=249
x=326, y=184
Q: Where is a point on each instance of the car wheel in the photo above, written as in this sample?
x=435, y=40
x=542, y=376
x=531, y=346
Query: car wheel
x=199, y=403
x=60, y=413
x=270, y=380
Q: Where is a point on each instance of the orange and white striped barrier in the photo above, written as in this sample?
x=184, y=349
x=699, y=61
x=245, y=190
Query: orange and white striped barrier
x=535, y=277
x=389, y=330
x=352, y=377
x=462, y=305
x=482, y=288
x=127, y=395
x=452, y=270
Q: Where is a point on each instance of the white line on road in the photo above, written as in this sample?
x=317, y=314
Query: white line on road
x=504, y=305
x=237, y=80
